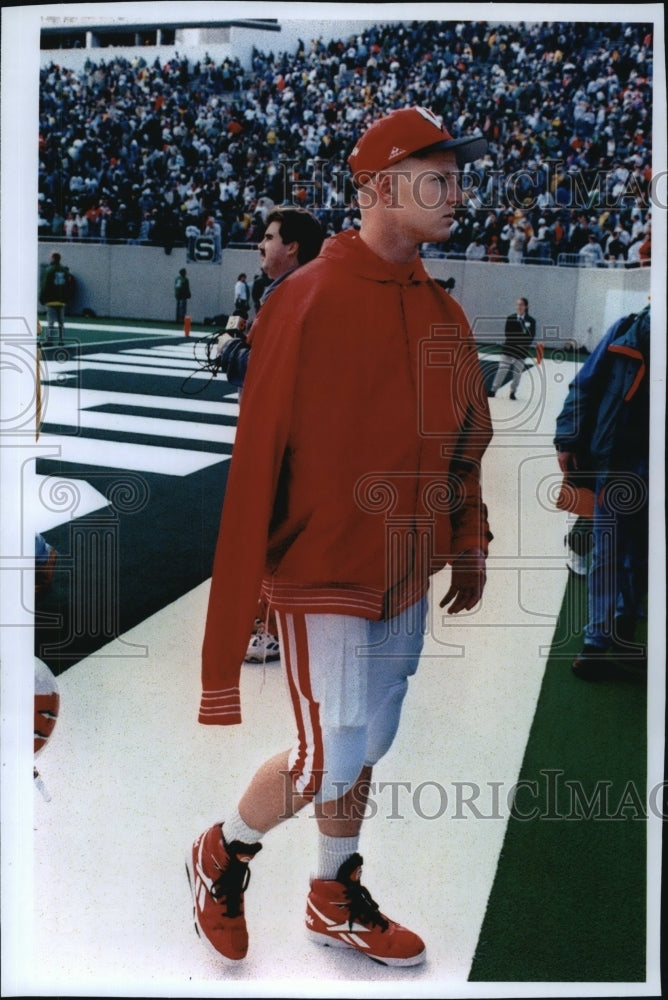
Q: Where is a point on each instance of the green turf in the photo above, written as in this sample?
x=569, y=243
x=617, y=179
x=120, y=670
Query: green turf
x=551, y=353
x=98, y=330
x=568, y=901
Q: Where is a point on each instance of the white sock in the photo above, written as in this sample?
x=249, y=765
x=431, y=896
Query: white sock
x=332, y=852
x=234, y=828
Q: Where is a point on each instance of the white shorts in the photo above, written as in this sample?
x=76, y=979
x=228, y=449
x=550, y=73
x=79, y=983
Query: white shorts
x=347, y=679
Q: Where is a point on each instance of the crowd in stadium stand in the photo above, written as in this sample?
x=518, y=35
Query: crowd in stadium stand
x=162, y=153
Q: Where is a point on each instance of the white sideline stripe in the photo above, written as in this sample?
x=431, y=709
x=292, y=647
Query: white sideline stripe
x=120, y=366
x=130, y=457
x=85, y=399
x=129, y=423
x=103, y=328
x=116, y=362
x=107, y=342
x=167, y=350
x=180, y=348
x=40, y=512
x=120, y=358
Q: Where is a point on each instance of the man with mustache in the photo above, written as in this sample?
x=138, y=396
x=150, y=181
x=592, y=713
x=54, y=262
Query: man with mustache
x=292, y=237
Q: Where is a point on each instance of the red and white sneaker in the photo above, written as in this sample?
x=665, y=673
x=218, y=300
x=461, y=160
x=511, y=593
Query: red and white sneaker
x=218, y=874
x=340, y=912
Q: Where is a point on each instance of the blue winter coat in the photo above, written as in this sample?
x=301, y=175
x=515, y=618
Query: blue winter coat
x=605, y=417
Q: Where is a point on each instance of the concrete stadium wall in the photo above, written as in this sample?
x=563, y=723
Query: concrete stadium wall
x=137, y=282
x=570, y=304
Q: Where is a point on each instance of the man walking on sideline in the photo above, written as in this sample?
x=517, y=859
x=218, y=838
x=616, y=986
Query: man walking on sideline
x=520, y=332
x=355, y=477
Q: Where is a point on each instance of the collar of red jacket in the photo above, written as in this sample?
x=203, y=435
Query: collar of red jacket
x=350, y=248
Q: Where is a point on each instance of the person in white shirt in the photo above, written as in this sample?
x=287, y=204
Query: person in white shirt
x=591, y=253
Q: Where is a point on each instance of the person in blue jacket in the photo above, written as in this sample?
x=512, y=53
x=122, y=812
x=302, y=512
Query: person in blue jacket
x=603, y=430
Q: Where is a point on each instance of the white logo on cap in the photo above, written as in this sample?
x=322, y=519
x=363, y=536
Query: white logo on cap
x=396, y=151
x=431, y=117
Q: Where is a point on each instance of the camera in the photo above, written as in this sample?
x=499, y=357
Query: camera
x=237, y=323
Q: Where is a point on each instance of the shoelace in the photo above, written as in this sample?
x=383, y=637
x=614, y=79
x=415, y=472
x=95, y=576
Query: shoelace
x=230, y=886
x=363, y=907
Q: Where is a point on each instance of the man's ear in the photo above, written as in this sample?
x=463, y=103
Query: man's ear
x=373, y=189
x=293, y=249
x=385, y=187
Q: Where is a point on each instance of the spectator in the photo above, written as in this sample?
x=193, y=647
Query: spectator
x=493, y=251
x=145, y=230
x=539, y=245
x=616, y=246
x=558, y=237
x=591, y=254
x=579, y=234
x=517, y=244
x=57, y=224
x=645, y=248
x=475, y=249
x=81, y=223
x=70, y=226
x=506, y=234
x=214, y=231
x=540, y=114
x=192, y=234
x=43, y=220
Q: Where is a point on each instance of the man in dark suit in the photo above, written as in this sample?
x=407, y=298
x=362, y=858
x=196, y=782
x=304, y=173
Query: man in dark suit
x=520, y=332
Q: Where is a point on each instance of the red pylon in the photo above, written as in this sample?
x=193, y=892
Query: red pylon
x=186, y=326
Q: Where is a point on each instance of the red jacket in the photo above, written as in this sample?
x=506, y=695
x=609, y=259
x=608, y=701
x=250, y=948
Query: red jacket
x=355, y=470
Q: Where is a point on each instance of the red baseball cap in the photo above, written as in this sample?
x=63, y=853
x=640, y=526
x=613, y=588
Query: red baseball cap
x=405, y=132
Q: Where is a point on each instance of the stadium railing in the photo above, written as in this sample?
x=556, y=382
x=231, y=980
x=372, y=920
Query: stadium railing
x=428, y=251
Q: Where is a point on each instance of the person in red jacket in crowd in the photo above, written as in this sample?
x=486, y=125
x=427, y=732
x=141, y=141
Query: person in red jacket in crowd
x=355, y=477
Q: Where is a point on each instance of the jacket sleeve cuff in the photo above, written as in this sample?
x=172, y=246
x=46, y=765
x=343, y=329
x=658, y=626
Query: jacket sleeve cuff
x=220, y=708
x=480, y=541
